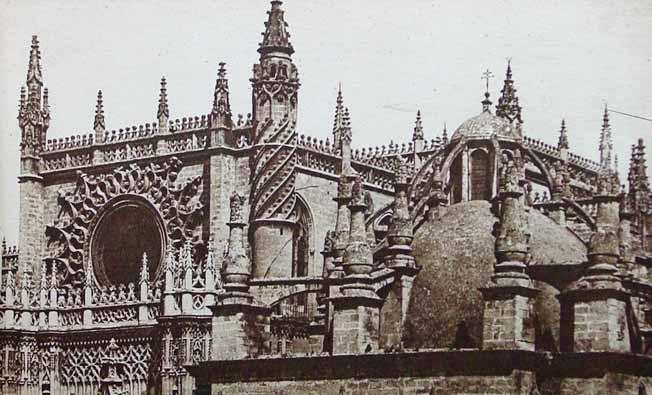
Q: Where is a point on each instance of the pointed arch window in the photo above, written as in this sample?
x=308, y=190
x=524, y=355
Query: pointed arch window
x=301, y=242
x=480, y=178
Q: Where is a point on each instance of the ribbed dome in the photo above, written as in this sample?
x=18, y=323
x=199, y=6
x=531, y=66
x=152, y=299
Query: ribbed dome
x=484, y=126
x=456, y=253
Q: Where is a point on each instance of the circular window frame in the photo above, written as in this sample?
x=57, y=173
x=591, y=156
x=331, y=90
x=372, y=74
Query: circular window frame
x=96, y=265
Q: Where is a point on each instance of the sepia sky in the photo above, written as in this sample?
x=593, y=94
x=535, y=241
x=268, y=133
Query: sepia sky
x=569, y=58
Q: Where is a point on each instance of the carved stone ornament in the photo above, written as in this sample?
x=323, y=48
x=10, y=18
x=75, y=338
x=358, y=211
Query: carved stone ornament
x=180, y=207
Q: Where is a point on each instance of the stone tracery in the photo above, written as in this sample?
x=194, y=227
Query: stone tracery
x=180, y=206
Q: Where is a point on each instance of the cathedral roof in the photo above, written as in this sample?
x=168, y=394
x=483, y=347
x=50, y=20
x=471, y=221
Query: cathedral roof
x=484, y=126
x=456, y=253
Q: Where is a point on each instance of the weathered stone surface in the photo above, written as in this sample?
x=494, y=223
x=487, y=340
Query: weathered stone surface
x=457, y=257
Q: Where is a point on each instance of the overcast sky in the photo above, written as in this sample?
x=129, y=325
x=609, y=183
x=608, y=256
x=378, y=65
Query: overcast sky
x=392, y=57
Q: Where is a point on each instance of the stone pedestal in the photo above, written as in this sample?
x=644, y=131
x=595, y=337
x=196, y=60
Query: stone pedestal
x=240, y=327
x=594, y=320
x=356, y=318
x=508, y=321
x=595, y=308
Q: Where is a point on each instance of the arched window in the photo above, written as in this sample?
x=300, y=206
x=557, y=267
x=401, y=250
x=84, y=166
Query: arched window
x=456, y=179
x=301, y=241
x=480, y=178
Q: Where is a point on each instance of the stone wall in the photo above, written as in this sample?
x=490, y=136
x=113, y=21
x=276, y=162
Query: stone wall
x=431, y=372
x=518, y=383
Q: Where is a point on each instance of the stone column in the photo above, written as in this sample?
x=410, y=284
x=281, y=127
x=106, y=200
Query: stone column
x=342, y=224
x=509, y=296
x=240, y=323
x=594, y=308
x=356, y=309
x=437, y=199
x=398, y=257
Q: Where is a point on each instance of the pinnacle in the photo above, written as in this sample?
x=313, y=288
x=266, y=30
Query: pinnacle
x=508, y=106
x=163, y=109
x=339, y=121
x=98, y=123
x=418, y=128
x=563, y=136
x=34, y=67
x=276, y=37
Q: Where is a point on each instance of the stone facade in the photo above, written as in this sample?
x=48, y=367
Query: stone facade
x=209, y=254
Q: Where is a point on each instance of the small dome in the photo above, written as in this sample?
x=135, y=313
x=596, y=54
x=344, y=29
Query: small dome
x=456, y=253
x=484, y=126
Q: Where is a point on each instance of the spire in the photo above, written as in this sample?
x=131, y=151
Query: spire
x=444, y=135
x=144, y=269
x=34, y=110
x=34, y=76
x=163, y=111
x=276, y=37
x=346, y=136
x=338, y=123
x=221, y=112
x=98, y=123
x=418, y=128
x=563, y=136
x=508, y=106
x=606, y=144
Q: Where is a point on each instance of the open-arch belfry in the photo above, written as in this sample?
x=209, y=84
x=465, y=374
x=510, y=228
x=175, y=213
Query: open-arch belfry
x=234, y=255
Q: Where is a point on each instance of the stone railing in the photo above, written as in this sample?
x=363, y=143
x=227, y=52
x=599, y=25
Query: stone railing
x=326, y=161
x=553, y=152
x=126, y=147
x=65, y=143
x=186, y=288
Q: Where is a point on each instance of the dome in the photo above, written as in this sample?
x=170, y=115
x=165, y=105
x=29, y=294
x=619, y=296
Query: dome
x=484, y=126
x=456, y=253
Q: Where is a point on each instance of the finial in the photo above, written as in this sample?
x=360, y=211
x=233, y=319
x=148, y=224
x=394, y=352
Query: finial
x=338, y=122
x=339, y=93
x=221, y=112
x=508, y=106
x=34, y=68
x=4, y=246
x=606, y=143
x=418, y=128
x=44, y=275
x=144, y=269
x=486, y=103
x=163, y=109
x=221, y=72
x=346, y=134
x=563, y=136
x=53, y=274
x=276, y=36
x=444, y=135
x=98, y=123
